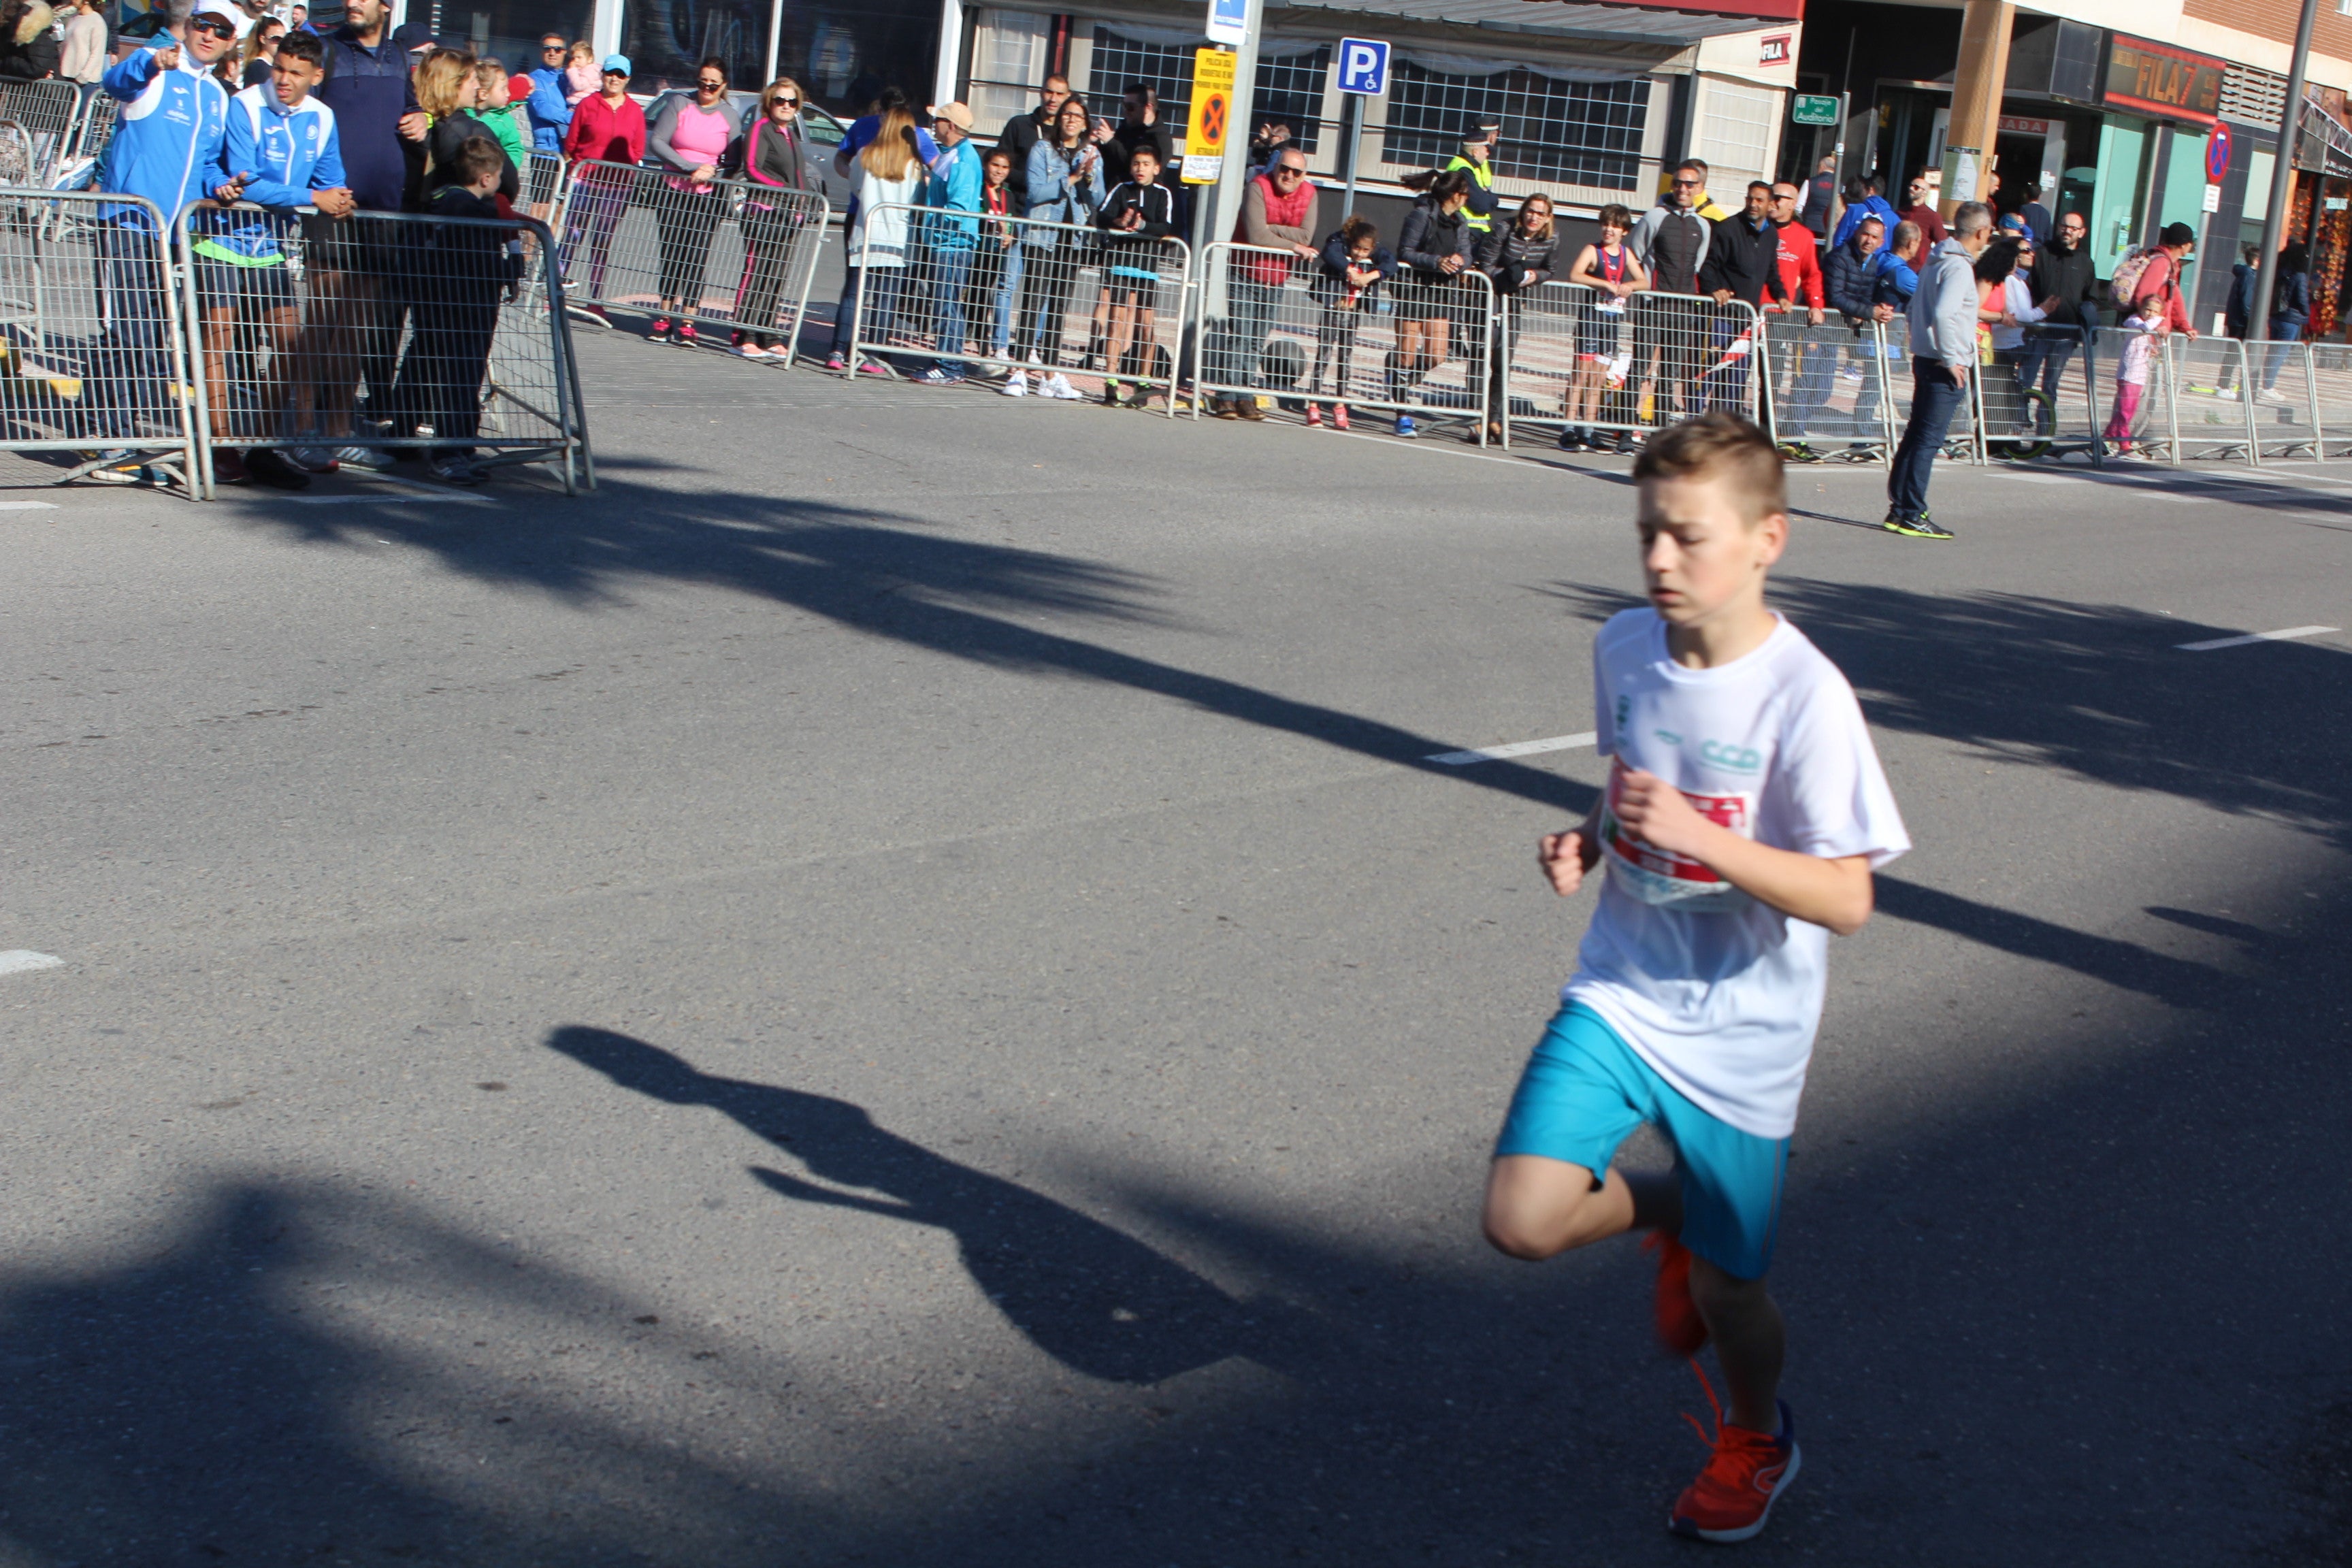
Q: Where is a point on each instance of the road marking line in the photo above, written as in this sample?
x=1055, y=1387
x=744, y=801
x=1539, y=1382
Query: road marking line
x=28, y=506
x=19, y=960
x=1517, y=749
x=381, y=500
x=2290, y=632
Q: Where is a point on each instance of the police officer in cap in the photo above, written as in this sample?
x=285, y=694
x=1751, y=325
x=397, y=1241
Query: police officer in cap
x=1479, y=134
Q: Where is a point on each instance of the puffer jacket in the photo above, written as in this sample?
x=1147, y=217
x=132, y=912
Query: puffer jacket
x=33, y=52
x=1506, y=255
x=1430, y=237
x=1851, y=279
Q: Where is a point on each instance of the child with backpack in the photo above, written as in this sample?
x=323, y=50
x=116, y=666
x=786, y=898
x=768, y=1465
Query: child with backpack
x=2147, y=289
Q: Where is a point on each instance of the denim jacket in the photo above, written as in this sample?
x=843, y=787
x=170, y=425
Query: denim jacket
x=1054, y=197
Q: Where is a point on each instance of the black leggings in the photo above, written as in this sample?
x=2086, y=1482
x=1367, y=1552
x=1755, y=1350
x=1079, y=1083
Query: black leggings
x=1045, y=287
x=687, y=220
x=768, y=235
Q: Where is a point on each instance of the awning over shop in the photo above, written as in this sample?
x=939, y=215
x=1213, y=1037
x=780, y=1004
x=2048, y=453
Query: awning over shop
x=1647, y=27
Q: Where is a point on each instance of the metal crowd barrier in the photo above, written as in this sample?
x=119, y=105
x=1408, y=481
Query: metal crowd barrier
x=1967, y=430
x=734, y=254
x=1286, y=327
x=93, y=361
x=50, y=110
x=1825, y=385
x=2203, y=422
x=1660, y=358
x=99, y=113
x=288, y=315
x=2331, y=396
x=948, y=286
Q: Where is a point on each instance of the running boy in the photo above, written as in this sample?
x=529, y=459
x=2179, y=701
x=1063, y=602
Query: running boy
x=1744, y=816
x=1137, y=209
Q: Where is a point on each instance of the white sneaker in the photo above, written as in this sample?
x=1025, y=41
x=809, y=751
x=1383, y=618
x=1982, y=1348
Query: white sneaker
x=751, y=350
x=1017, y=385
x=2227, y=395
x=2272, y=394
x=1059, y=386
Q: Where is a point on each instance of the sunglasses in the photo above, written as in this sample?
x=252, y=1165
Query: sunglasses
x=217, y=26
x=789, y=103
x=551, y=48
x=1687, y=184
x=709, y=86
x=1286, y=169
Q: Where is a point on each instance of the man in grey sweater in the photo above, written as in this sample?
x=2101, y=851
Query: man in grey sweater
x=1943, y=321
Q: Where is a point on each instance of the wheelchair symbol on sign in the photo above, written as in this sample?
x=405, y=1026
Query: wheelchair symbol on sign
x=1213, y=119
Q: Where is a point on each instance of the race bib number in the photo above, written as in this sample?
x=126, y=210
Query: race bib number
x=1655, y=875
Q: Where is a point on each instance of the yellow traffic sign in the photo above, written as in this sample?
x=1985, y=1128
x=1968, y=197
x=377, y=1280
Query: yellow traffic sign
x=1213, y=116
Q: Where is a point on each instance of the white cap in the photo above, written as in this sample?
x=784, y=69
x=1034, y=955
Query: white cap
x=219, y=8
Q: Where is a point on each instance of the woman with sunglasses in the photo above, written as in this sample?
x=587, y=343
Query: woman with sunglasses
x=772, y=157
x=607, y=139
x=690, y=137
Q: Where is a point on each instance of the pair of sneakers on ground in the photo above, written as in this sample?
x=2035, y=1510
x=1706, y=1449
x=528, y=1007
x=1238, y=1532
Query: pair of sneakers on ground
x=1055, y=386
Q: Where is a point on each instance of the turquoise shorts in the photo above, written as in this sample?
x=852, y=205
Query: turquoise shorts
x=1584, y=1090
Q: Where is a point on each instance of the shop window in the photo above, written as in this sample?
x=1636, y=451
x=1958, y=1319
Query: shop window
x=843, y=56
x=1734, y=135
x=509, y=30
x=1290, y=92
x=1120, y=58
x=1008, y=66
x=666, y=40
x=1577, y=132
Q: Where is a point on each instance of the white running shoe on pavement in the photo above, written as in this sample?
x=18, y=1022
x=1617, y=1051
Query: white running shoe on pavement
x=2272, y=394
x=1059, y=386
x=1017, y=384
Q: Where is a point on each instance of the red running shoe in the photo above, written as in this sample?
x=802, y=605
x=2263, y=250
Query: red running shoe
x=1680, y=1327
x=1743, y=1478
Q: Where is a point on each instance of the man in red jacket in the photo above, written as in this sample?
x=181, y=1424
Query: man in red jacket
x=1805, y=363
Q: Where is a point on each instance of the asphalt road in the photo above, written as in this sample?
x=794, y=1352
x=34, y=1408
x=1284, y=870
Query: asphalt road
x=895, y=988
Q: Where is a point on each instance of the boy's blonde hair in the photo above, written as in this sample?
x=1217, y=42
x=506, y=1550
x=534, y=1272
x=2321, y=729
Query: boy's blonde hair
x=1719, y=444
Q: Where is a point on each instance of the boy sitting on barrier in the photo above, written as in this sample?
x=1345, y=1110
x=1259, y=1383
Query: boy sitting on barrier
x=465, y=273
x=281, y=152
x=1138, y=212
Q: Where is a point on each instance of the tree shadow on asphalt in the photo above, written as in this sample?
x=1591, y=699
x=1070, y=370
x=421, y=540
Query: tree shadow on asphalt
x=889, y=576
x=1094, y=1298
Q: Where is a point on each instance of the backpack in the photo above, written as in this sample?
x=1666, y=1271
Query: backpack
x=2122, y=289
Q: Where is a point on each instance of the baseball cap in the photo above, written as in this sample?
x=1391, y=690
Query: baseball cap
x=618, y=63
x=955, y=114
x=412, y=36
x=220, y=9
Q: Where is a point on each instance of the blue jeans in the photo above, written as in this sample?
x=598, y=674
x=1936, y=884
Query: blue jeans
x=881, y=315
x=950, y=270
x=1934, y=400
x=1008, y=290
x=2282, y=333
x=1249, y=321
x=1808, y=388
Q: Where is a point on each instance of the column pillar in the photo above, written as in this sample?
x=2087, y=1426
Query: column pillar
x=1977, y=84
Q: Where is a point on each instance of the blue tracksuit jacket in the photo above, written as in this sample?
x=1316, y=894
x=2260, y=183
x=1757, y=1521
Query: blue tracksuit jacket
x=168, y=136
x=284, y=155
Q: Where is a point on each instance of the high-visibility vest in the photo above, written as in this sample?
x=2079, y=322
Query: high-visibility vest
x=1479, y=210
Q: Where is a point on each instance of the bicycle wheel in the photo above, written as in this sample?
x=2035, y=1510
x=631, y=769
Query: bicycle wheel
x=2041, y=418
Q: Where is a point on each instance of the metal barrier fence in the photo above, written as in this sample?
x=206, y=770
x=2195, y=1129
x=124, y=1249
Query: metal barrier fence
x=732, y=254
x=93, y=363
x=1826, y=386
x=101, y=112
x=2331, y=394
x=2205, y=423
x=1967, y=429
x=289, y=315
x=1286, y=327
x=1578, y=358
x=965, y=290
x=50, y=110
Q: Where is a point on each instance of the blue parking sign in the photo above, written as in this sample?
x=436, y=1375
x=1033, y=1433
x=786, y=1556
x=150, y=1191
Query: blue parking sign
x=1363, y=67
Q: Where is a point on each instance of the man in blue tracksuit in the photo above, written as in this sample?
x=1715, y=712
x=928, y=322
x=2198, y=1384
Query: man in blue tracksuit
x=281, y=152
x=550, y=116
x=166, y=137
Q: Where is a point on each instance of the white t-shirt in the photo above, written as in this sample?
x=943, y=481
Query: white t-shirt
x=1720, y=994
